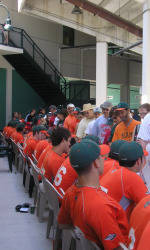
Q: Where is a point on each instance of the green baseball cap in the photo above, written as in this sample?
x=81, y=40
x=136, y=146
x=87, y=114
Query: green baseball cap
x=83, y=154
x=92, y=138
x=131, y=151
x=115, y=146
x=20, y=125
x=122, y=106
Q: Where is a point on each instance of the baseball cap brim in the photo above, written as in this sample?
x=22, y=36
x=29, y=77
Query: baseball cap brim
x=120, y=109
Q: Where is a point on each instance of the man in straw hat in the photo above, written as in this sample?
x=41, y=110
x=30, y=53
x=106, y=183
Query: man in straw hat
x=88, y=117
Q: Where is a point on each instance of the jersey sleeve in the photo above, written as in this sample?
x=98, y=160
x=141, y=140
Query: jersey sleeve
x=135, y=188
x=107, y=229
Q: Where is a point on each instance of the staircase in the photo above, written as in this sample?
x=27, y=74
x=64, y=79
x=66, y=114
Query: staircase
x=36, y=68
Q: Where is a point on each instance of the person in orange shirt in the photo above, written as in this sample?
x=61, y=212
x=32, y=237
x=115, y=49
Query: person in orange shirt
x=11, y=128
x=31, y=143
x=123, y=184
x=54, y=158
x=65, y=177
x=145, y=239
x=113, y=161
x=139, y=220
x=70, y=122
x=125, y=129
x=18, y=136
x=40, y=148
x=86, y=206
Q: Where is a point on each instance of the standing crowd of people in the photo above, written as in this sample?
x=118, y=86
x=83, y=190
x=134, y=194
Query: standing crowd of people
x=94, y=157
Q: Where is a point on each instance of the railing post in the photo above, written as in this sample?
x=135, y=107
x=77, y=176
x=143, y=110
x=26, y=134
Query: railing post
x=44, y=64
x=33, y=51
x=22, y=38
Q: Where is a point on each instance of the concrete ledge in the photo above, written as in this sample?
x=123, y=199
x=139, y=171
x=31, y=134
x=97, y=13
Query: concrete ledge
x=7, y=50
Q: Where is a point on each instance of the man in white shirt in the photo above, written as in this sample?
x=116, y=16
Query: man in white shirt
x=97, y=113
x=144, y=131
x=100, y=126
x=88, y=117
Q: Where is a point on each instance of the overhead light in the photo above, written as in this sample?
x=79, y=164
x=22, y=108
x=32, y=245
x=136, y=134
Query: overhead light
x=76, y=10
x=8, y=25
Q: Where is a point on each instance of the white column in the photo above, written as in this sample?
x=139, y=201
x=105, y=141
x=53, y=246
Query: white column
x=8, y=95
x=146, y=54
x=101, y=72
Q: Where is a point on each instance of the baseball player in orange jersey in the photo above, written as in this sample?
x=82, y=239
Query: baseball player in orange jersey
x=65, y=177
x=86, y=206
x=139, y=220
x=40, y=148
x=123, y=184
x=60, y=144
x=113, y=161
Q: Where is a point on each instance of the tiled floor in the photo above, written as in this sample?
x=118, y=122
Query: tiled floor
x=18, y=231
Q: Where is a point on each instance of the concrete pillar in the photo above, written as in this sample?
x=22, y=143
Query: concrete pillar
x=146, y=53
x=101, y=72
x=8, y=94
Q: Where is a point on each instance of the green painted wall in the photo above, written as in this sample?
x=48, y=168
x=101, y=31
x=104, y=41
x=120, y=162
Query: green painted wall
x=2, y=97
x=24, y=98
x=135, y=97
x=113, y=93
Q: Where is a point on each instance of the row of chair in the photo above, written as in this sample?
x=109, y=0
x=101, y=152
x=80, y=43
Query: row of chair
x=46, y=197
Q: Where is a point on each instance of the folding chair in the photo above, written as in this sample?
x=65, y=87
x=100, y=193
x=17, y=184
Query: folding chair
x=52, y=195
x=39, y=198
x=74, y=239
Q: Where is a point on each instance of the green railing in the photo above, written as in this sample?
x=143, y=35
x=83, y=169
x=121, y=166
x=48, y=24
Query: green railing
x=18, y=38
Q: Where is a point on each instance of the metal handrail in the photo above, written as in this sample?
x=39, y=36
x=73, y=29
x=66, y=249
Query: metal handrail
x=46, y=63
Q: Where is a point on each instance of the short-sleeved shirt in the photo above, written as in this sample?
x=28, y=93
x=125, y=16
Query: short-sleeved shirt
x=88, y=130
x=65, y=177
x=144, y=131
x=123, y=132
x=51, y=164
x=139, y=220
x=98, y=216
x=82, y=126
x=41, y=145
x=144, y=243
x=125, y=186
x=10, y=130
x=43, y=155
x=70, y=123
x=19, y=138
x=100, y=128
x=109, y=165
x=30, y=147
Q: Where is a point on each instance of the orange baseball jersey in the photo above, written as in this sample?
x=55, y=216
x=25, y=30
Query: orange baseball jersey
x=71, y=123
x=30, y=147
x=19, y=138
x=98, y=216
x=139, y=219
x=65, y=177
x=10, y=130
x=41, y=145
x=123, y=132
x=5, y=130
x=109, y=164
x=13, y=135
x=144, y=243
x=51, y=164
x=43, y=155
x=125, y=186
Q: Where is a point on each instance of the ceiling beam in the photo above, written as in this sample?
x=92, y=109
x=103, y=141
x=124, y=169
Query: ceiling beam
x=107, y=15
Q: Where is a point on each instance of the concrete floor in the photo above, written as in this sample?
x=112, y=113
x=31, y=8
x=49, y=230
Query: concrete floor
x=18, y=231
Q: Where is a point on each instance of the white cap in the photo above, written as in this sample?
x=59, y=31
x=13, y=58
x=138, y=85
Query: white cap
x=70, y=105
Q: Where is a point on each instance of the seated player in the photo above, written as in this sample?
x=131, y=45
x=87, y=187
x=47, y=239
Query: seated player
x=139, y=220
x=30, y=144
x=113, y=161
x=54, y=158
x=123, y=184
x=42, y=145
x=85, y=205
x=19, y=135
